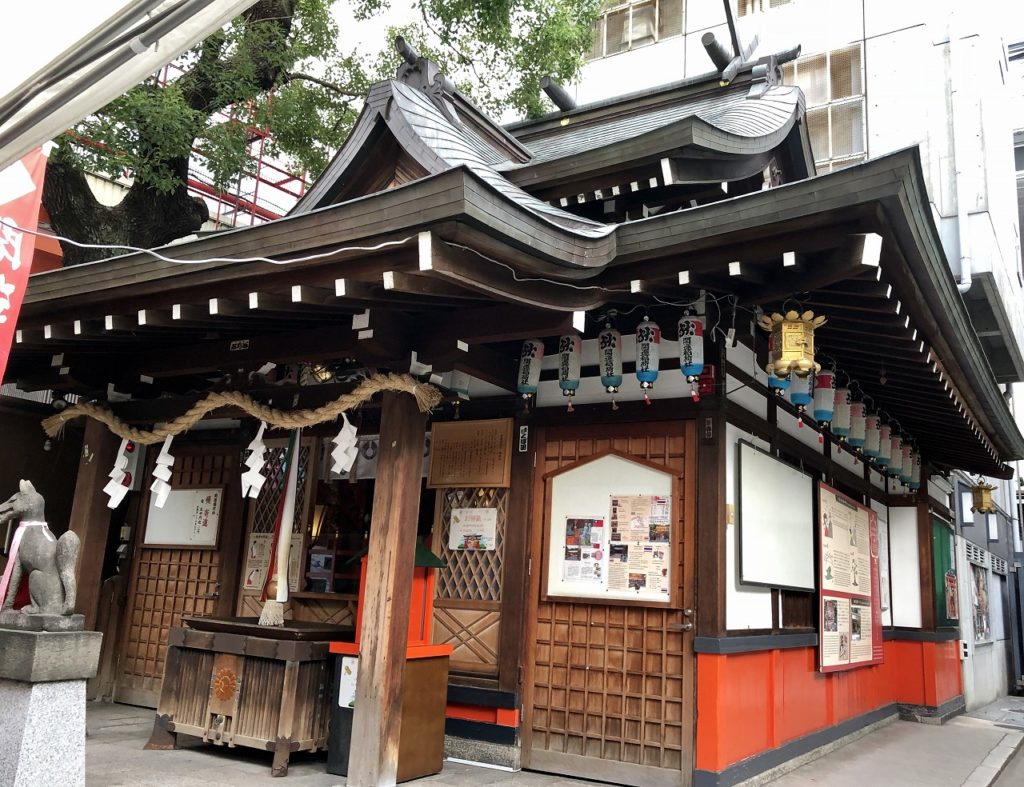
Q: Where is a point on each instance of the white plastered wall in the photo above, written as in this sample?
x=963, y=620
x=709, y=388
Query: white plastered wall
x=905, y=566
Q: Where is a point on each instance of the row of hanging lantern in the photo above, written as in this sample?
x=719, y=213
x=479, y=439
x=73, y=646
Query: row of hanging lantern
x=609, y=348
x=793, y=371
x=864, y=432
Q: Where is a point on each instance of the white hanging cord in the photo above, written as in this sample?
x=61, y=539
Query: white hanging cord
x=153, y=253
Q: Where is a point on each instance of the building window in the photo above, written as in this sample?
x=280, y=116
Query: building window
x=833, y=84
x=748, y=7
x=625, y=26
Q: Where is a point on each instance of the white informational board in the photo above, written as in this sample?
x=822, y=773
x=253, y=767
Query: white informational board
x=189, y=518
x=612, y=505
x=776, y=521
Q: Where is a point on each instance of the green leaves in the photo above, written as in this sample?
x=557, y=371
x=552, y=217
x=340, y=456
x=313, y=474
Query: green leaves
x=282, y=67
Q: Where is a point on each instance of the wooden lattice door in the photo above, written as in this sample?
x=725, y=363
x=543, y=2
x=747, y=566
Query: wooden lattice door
x=609, y=692
x=262, y=515
x=467, y=607
x=168, y=583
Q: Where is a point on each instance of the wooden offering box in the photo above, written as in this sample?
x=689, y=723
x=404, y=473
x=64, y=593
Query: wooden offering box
x=235, y=683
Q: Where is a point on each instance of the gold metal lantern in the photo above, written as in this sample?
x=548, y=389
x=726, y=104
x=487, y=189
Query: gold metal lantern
x=981, y=495
x=791, y=343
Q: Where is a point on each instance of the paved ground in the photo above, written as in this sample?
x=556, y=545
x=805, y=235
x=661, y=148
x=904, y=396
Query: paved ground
x=115, y=758
x=969, y=751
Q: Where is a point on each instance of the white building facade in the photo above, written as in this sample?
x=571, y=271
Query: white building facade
x=880, y=76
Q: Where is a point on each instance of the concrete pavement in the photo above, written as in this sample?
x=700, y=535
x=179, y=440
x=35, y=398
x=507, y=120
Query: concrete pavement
x=968, y=751
x=114, y=757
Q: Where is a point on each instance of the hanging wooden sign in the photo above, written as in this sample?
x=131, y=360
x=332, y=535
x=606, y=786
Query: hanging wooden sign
x=471, y=453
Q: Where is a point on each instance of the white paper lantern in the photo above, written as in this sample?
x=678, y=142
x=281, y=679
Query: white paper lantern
x=841, y=415
x=871, y=435
x=884, y=445
x=907, y=465
x=530, y=359
x=801, y=391
x=609, y=349
x=895, y=457
x=691, y=347
x=915, y=472
x=858, y=425
x=569, y=348
x=648, y=354
x=824, y=396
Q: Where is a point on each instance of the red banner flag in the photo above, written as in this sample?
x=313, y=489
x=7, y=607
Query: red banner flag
x=21, y=190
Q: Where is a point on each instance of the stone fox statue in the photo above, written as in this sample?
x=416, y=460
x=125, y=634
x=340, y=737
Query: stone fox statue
x=47, y=562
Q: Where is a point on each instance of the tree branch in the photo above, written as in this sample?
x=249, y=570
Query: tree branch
x=293, y=76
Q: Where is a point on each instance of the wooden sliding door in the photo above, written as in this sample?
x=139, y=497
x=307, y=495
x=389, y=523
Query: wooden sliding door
x=609, y=691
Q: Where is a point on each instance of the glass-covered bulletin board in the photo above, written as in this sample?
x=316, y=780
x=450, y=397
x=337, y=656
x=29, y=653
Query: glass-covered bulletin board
x=851, y=613
x=612, y=531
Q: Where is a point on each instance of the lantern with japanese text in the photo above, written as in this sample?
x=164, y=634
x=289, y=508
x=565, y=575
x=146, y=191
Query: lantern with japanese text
x=824, y=396
x=841, y=415
x=778, y=384
x=648, y=355
x=858, y=425
x=907, y=465
x=569, y=348
x=915, y=472
x=691, y=351
x=801, y=392
x=530, y=359
x=609, y=357
x=981, y=496
x=884, y=445
x=895, y=457
x=871, y=435
x=791, y=343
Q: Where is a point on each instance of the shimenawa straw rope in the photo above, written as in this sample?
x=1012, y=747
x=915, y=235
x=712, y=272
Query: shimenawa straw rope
x=427, y=396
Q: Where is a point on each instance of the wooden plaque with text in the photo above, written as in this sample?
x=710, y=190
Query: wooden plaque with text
x=471, y=453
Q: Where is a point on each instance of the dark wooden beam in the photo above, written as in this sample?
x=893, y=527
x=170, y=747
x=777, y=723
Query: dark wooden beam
x=90, y=517
x=514, y=584
x=710, y=526
x=376, y=723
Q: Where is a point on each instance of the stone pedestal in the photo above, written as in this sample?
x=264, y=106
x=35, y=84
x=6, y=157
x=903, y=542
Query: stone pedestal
x=42, y=693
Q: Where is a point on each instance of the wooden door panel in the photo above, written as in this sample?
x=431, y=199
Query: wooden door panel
x=168, y=583
x=610, y=692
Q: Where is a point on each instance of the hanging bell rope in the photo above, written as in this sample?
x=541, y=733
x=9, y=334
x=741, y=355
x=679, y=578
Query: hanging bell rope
x=427, y=396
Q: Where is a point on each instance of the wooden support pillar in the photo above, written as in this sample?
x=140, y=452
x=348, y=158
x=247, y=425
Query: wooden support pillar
x=514, y=584
x=90, y=517
x=373, y=758
x=925, y=557
x=711, y=521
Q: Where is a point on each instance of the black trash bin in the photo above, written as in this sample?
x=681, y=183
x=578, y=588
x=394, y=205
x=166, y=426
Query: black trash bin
x=339, y=738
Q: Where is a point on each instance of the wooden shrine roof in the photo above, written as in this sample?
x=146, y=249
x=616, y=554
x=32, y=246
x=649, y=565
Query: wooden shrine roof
x=453, y=256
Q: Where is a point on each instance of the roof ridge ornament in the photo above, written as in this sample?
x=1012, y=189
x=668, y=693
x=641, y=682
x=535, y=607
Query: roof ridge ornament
x=766, y=73
x=426, y=75
x=421, y=72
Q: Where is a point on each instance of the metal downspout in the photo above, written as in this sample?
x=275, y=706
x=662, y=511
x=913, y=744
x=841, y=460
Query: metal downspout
x=959, y=150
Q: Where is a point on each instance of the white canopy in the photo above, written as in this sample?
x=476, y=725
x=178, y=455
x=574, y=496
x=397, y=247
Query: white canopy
x=51, y=75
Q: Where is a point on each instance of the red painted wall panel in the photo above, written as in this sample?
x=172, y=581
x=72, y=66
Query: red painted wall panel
x=753, y=702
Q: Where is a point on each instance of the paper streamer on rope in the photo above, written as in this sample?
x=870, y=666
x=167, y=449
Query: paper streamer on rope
x=161, y=486
x=346, y=447
x=252, y=478
x=120, y=474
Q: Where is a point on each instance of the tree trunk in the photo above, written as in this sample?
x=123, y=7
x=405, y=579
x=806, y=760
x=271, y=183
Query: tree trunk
x=145, y=218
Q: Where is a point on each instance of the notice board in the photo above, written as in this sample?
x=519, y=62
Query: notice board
x=611, y=532
x=190, y=519
x=471, y=453
x=850, y=598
